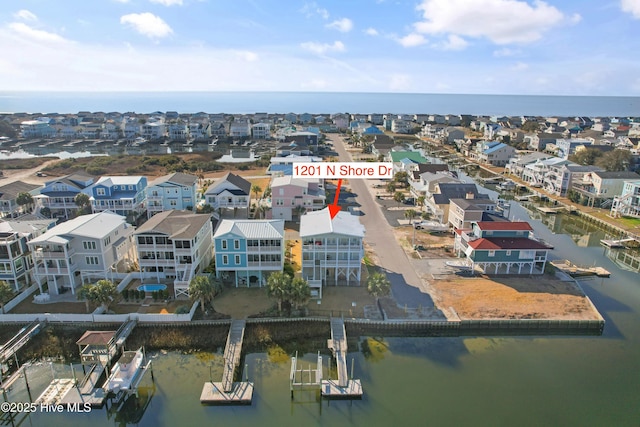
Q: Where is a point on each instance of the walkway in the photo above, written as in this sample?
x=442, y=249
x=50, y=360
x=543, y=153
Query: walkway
x=338, y=344
x=232, y=353
x=19, y=340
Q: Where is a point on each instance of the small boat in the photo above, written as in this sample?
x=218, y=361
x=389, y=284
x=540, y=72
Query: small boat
x=125, y=371
x=458, y=265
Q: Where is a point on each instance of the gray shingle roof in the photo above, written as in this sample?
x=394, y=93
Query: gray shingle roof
x=10, y=191
x=175, y=224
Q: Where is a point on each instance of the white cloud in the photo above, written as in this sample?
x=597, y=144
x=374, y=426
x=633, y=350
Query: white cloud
x=121, y=1
x=25, y=15
x=29, y=33
x=371, y=31
x=311, y=8
x=343, y=25
x=167, y=2
x=315, y=84
x=322, y=48
x=519, y=66
x=501, y=21
x=632, y=7
x=147, y=24
x=412, y=40
x=247, y=55
x=455, y=42
x=505, y=51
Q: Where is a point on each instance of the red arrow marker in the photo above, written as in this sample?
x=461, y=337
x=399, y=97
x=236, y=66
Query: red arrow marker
x=334, y=208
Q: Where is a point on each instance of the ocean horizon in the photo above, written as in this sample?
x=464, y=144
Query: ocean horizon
x=318, y=103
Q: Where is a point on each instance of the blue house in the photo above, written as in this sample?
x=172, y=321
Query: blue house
x=502, y=247
x=247, y=251
x=124, y=195
x=58, y=195
x=176, y=191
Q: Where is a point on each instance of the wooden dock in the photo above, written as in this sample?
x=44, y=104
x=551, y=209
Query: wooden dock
x=344, y=387
x=228, y=391
x=614, y=244
x=548, y=211
x=573, y=270
x=19, y=340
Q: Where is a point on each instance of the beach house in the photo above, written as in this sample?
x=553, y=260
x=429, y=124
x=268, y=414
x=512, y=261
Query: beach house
x=293, y=196
x=247, y=251
x=502, y=247
x=176, y=191
x=332, y=249
x=86, y=248
x=229, y=192
x=16, y=260
x=174, y=245
x=9, y=206
x=58, y=195
x=124, y=195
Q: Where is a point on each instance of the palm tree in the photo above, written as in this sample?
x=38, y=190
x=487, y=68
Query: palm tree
x=398, y=197
x=103, y=292
x=256, y=189
x=24, y=199
x=378, y=285
x=6, y=293
x=299, y=211
x=278, y=287
x=83, y=201
x=420, y=201
x=202, y=289
x=391, y=187
x=300, y=292
x=410, y=214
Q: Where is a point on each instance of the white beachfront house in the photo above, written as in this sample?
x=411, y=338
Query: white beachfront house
x=175, y=245
x=332, y=249
x=89, y=247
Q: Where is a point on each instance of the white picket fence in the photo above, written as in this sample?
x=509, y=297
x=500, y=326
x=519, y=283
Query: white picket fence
x=21, y=297
x=99, y=318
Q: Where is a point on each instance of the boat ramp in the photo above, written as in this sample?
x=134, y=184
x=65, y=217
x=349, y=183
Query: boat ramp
x=227, y=391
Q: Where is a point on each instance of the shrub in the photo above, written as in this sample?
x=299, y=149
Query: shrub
x=125, y=294
x=183, y=309
x=154, y=295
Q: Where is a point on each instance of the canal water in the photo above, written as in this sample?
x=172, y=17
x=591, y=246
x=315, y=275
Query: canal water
x=479, y=381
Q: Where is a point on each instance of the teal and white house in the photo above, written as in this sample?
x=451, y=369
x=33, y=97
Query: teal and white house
x=502, y=247
x=332, y=249
x=247, y=251
x=176, y=191
x=124, y=195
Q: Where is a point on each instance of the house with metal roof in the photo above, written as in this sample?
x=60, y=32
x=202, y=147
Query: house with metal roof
x=174, y=245
x=502, y=247
x=124, y=195
x=176, y=191
x=89, y=247
x=332, y=249
x=493, y=153
x=229, y=192
x=247, y=251
x=58, y=195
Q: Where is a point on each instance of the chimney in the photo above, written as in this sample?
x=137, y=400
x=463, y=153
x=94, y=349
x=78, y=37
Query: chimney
x=469, y=195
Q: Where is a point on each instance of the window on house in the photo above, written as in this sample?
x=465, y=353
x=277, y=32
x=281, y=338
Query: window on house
x=225, y=260
x=89, y=245
x=237, y=259
x=131, y=187
x=224, y=244
x=491, y=253
x=100, y=191
x=508, y=253
x=173, y=202
x=236, y=244
x=91, y=260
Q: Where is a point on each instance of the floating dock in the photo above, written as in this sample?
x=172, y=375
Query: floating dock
x=614, y=244
x=576, y=271
x=227, y=391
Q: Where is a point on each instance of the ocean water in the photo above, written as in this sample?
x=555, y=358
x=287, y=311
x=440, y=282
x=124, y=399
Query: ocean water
x=318, y=102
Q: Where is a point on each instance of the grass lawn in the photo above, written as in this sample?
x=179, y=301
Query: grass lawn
x=27, y=306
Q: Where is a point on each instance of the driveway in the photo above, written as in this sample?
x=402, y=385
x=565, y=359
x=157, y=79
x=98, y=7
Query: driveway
x=406, y=286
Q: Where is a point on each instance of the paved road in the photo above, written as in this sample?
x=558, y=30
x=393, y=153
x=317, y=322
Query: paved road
x=406, y=286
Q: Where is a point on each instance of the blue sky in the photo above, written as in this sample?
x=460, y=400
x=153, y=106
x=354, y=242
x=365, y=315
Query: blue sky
x=569, y=47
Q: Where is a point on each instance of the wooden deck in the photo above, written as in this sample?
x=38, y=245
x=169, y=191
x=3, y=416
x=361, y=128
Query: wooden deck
x=227, y=391
x=214, y=393
x=332, y=390
x=19, y=340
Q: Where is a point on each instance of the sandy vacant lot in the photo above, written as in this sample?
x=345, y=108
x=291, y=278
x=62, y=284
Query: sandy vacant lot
x=511, y=298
